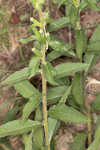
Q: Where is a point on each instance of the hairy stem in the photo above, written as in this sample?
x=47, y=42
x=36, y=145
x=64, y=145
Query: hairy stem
x=44, y=84
x=44, y=102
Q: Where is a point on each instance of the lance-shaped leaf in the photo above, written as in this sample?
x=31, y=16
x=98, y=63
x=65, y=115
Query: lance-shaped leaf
x=32, y=104
x=94, y=46
x=66, y=69
x=96, y=103
x=80, y=42
x=17, y=127
x=28, y=141
x=94, y=145
x=59, y=23
x=38, y=132
x=66, y=114
x=54, y=94
x=79, y=142
x=26, y=89
x=72, y=13
x=93, y=5
x=56, y=54
x=38, y=137
x=48, y=70
x=52, y=123
x=59, y=45
x=27, y=40
x=90, y=59
x=16, y=77
x=66, y=94
x=77, y=89
x=83, y=5
x=94, y=42
x=34, y=65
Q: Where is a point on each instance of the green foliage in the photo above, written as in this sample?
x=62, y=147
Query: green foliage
x=48, y=70
x=16, y=77
x=66, y=69
x=54, y=94
x=90, y=59
x=77, y=89
x=96, y=103
x=60, y=97
x=66, y=94
x=59, y=23
x=52, y=123
x=66, y=114
x=80, y=43
x=94, y=42
x=17, y=127
x=59, y=45
x=30, y=106
x=26, y=89
x=79, y=142
x=28, y=141
x=34, y=65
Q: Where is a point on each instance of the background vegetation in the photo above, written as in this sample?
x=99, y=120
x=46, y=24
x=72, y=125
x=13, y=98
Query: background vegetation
x=50, y=88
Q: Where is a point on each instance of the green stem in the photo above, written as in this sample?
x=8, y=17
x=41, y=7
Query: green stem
x=89, y=121
x=44, y=102
x=44, y=85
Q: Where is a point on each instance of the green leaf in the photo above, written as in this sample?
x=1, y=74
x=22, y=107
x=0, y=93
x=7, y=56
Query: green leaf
x=26, y=89
x=56, y=54
x=97, y=132
x=11, y=115
x=94, y=46
x=66, y=114
x=32, y=104
x=80, y=42
x=53, y=55
x=90, y=59
x=59, y=45
x=96, y=35
x=16, y=77
x=48, y=70
x=72, y=14
x=93, y=5
x=34, y=65
x=38, y=113
x=27, y=40
x=28, y=141
x=17, y=127
x=66, y=94
x=63, y=81
x=54, y=94
x=60, y=2
x=52, y=123
x=79, y=142
x=94, y=145
x=59, y=23
x=96, y=103
x=38, y=137
x=83, y=5
x=77, y=89
x=38, y=132
x=66, y=69
x=94, y=42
